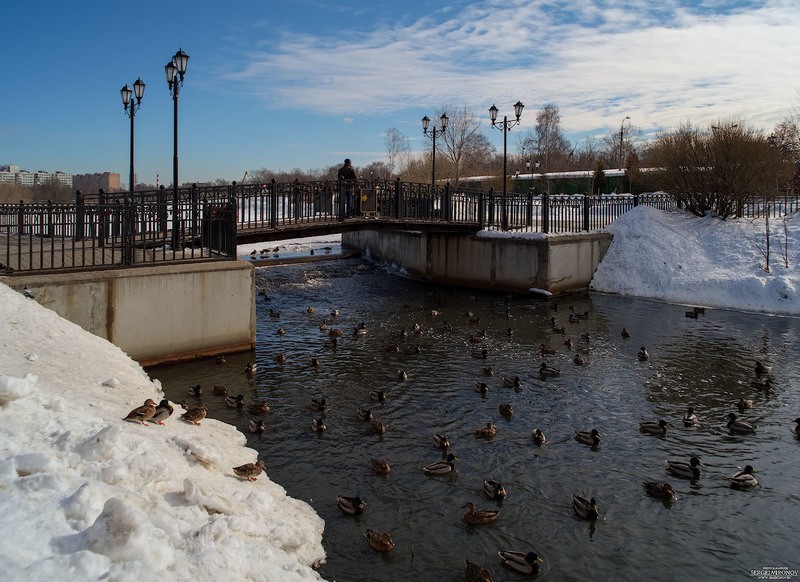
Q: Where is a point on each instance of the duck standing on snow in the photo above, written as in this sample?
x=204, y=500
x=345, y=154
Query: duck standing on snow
x=523, y=562
x=142, y=413
x=195, y=415
x=250, y=471
x=744, y=479
x=163, y=411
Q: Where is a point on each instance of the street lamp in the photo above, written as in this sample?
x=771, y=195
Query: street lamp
x=505, y=127
x=175, y=70
x=621, y=130
x=425, y=123
x=131, y=107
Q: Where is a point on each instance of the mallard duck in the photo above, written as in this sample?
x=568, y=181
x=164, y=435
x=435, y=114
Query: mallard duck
x=331, y=344
x=402, y=375
x=482, y=388
x=377, y=396
x=765, y=386
x=391, y=349
x=479, y=516
x=691, y=314
x=274, y=314
x=579, y=360
x=522, y=562
x=474, y=572
x=195, y=391
x=480, y=354
x=351, y=505
x=219, y=390
x=377, y=427
x=586, y=337
x=537, y=436
x=360, y=330
x=315, y=362
x=324, y=325
x=334, y=333
x=591, y=438
x=334, y=313
x=195, y=415
x=441, y=467
x=281, y=358
x=235, y=401
x=250, y=368
x=221, y=360
x=658, y=427
x=744, y=404
x=163, y=411
x=690, y=418
x=761, y=369
x=318, y=425
x=561, y=330
x=318, y=404
x=690, y=470
x=250, y=471
x=512, y=382
x=585, y=508
x=659, y=490
x=257, y=426
x=569, y=343
x=744, y=479
x=379, y=541
x=739, y=426
x=494, y=490
x=364, y=414
x=548, y=371
x=380, y=466
x=486, y=432
x=311, y=309
x=142, y=413
x=488, y=371
x=440, y=441
x=546, y=350
x=625, y=333
x=642, y=354
x=258, y=407
x=506, y=410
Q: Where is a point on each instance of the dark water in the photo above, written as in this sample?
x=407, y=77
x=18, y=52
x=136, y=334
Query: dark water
x=710, y=532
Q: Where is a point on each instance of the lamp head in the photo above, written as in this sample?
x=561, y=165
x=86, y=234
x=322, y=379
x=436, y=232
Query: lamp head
x=138, y=89
x=425, y=122
x=444, y=119
x=518, y=106
x=126, y=93
x=493, y=110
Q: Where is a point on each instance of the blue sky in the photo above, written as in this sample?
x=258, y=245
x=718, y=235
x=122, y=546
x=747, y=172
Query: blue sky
x=304, y=83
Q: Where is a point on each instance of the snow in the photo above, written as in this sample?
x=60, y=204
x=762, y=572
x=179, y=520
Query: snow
x=87, y=496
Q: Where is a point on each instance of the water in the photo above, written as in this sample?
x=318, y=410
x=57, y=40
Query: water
x=710, y=532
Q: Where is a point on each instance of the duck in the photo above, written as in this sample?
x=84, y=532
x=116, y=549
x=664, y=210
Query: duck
x=324, y=325
x=440, y=441
x=691, y=314
x=523, y=562
x=258, y=407
x=391, y=349
x=195, y=415
x=441, y=467
x=235, y=401
x=744, y=404
x=585, y=508
x=142, y=413
x=474, y=572
x=561, y=330
x=163, y=411
x=548, y=371
x=318, y=404
x=335, y=332
x=658, y=427
x=250, y=368
x=318, y=425
x=380, y=466
x=315, y=362
x=475, y=339
x=219, y=390
x=195, y=391
x=257, y=426
x=761, y=369
x=221, y=360
x=250, y=471
x=506, y=410
x=482, y=388
x=402, y=375
x=537, y=436
x=690, y=418
x=364, y=414
x=281, y=331
x=690, y=470
x=379, y=541
x=545, y=350
x=479, y=516
x=660, y=490
x=579, y=360
x=569, y=343
x=334, y=313
x=512, y=382
x=311, y=309
x=642, y=354
x=377, y=396
x=494, y=490
x=377, y=427
x=488, y=371
x=739, y=426
x=480, y=354
x=274, y=314
x=765, y=386
x=744, y=479
x=281, y=358
x=586, y=437
x=486, y=432
x=625, y=333
x=331, y=344
x=351, y=505
x=360, y=330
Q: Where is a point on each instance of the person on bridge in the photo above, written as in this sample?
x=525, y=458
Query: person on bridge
x=348, y=174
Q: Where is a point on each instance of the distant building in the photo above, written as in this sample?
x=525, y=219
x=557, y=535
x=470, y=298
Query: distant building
x=11, y=174
x=91, y=183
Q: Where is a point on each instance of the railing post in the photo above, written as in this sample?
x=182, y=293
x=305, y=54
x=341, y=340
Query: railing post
x=102, y=217
x=398, y=198
x=273, y=203
x=162, y=211
x=128, y=218
x=586, y=203
x=195, y=209
x=529, y=210
x=446, y=213
x=481, y=212
x=230, y=228
x=298, y=207
x=545, y=212
x=635, y=200
x=340, y=185
x=48, y=231
x=21, y=218
x=490, y=213
x=80, y=215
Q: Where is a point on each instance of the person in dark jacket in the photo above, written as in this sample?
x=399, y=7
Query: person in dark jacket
x=348, y=174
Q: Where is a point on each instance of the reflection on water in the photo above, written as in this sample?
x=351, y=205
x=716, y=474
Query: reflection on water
x=710, y=531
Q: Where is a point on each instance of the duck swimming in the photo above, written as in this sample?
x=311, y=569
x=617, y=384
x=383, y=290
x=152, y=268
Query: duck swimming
x=487, y=432
x=510, y=382
x=494, y=490
x=250, y=368
x=658, y=427
x=377, y=396
x=690, y=470
x=379, y=541
x=585, y=508
x=318, y=404
x=690, y=418
x=548, y=371
x=660, y=490
x=506, y=410
x=318, y=425
x=760, y=369
x=235, y=401
x=537, y=436
x=479, y=516
x=351, y=505
x=441, y=467
x=195, y=390
x=380, y=466
x=258, y=407
x=744, y=404
x=363, y=414
x=591, y=438
x=579, y=360
x=744, y=479
x=440, y=441
x=739, y=426
x=523, y=562
x=219, y=390
x=474, y=572
x=482, y=388
x=643, y=355
x=257, y=426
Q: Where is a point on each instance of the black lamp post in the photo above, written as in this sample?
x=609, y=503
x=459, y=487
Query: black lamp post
x=175, y=70
x=425, y=123
x=505, y=127
x=621, y=130
x=131, y=107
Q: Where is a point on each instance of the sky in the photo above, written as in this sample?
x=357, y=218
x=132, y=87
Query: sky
x=87, y=495
x=305, y=83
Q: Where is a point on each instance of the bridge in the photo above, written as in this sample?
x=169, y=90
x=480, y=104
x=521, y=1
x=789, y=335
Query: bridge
x=206, y=223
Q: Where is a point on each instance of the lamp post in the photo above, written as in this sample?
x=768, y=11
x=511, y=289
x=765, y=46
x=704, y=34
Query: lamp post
x=425, y=123
x=131, y=107
x=621, y=130
x=505, y=127
x=175, y=70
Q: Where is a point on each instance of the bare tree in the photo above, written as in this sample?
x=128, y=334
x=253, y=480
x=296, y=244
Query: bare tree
x=397, y=148
x=552, y=148
x=462, y=136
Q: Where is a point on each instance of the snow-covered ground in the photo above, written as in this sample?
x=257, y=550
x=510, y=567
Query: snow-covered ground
x=85, y=495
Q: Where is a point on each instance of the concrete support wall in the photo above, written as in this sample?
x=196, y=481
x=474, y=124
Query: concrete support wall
x=558, y=264
x=157, y=314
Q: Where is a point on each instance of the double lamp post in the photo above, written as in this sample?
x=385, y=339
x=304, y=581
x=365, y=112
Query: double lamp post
x=505, y=126
x=131, y=106
x=425, y=123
